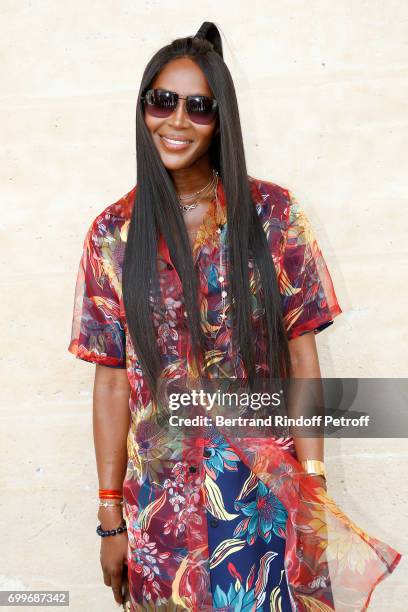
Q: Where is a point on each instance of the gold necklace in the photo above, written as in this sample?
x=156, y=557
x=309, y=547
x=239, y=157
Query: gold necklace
x=212, y=184
x=187, y=196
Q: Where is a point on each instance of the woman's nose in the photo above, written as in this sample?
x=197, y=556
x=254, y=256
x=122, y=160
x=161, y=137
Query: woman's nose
x=179, y=115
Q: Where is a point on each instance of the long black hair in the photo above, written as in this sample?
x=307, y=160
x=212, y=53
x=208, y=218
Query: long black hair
x=156, y=208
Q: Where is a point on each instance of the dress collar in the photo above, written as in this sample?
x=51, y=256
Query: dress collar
x=215, y=216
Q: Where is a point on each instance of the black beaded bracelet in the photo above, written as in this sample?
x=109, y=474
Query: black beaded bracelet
x=110, y=532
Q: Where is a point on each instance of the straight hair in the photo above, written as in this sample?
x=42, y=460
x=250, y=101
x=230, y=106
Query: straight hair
x=156, y=210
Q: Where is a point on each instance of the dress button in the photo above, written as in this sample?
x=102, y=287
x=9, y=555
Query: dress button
x=192, y=469
x=221, y=279
x=223, y=294
x=214, y=522
x=185, y=313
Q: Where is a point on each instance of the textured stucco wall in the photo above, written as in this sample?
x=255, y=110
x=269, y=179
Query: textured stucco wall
x=334, y=77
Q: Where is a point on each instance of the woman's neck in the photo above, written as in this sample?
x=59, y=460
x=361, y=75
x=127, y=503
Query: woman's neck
x=192, y=179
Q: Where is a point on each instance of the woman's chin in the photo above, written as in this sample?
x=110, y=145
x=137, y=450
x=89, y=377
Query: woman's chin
x=176, y=162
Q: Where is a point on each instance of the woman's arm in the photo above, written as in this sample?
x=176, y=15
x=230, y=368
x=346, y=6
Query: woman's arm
x=110, y=428
x=305, y=364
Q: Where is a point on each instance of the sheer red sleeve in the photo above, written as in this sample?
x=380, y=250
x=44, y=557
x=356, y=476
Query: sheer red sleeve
x=308, y=298
x=97, y=333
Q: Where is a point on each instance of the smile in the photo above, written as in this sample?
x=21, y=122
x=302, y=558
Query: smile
x=172, y=144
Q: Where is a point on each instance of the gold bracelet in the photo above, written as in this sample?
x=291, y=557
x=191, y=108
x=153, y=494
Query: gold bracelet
x=314, y=466
x=106, y=504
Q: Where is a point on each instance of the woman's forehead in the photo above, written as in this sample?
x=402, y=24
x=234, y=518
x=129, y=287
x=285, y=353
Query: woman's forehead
x=183, y=76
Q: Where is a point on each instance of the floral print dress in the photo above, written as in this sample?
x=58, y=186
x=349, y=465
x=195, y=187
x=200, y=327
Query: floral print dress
x=216, y=522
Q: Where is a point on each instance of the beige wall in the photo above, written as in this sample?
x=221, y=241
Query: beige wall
x=334, y=77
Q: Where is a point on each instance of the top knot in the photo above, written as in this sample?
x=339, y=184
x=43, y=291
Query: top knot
x=209, y=31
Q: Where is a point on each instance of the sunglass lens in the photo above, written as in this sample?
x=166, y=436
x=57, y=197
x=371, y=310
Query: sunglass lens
x=201, y=109
x=160, y=103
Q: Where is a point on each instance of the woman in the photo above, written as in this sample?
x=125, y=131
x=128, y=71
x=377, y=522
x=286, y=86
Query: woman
x=202, y=271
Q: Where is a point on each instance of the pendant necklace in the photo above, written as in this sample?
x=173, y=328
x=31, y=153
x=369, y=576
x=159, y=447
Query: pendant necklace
x=211, y=184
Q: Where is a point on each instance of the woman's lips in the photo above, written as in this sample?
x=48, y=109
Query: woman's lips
x=175, y=145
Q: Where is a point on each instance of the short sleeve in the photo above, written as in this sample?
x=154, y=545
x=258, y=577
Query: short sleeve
x=97, y=333
x=309, y=301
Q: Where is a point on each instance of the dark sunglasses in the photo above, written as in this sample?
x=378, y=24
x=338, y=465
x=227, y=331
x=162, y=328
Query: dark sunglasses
x=162, y=103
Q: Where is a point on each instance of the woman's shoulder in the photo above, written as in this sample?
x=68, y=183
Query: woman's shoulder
x=121, y=209
x=113, y=220
x=272, y=199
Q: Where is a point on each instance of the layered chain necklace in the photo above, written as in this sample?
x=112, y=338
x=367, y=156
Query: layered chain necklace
x=211, y=186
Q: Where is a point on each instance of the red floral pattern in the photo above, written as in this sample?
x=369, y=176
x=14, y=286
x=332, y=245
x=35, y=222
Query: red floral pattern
x=167, y=504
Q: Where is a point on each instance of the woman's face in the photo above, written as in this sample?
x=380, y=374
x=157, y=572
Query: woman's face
x=184, y=77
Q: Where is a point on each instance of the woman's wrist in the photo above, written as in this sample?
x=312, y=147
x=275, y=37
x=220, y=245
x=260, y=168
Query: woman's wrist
x=110, y=517
x=314, y=466
x=110, y=507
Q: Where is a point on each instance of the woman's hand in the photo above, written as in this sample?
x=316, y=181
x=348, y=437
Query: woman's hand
x=113, y=553
x=321, y=481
